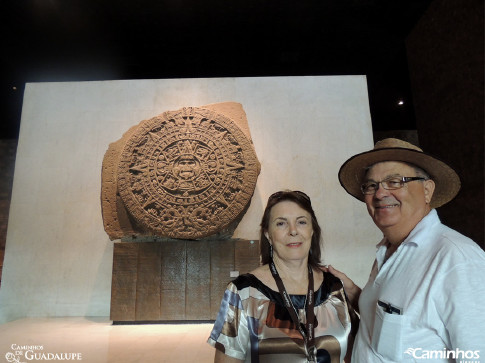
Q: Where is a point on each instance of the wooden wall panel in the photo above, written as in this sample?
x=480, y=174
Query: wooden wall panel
x=173, y=280
x=222, y=263
x=149, y=281
x=176, y=280
x=197, y=296
x=123, y=287
x=246, y=256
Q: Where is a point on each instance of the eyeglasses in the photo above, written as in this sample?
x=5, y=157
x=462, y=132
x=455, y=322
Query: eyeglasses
x=283, y=193
x=391, y=183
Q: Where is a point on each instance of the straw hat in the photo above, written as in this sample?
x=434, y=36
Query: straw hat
x=353, y=170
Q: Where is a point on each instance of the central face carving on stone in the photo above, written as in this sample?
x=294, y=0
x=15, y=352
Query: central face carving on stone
x=187, y=173
x=186, y=168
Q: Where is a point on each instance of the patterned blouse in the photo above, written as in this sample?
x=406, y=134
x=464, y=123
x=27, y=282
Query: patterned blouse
x=253, y=324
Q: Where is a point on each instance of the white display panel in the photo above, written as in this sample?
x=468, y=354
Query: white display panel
x=58, y=258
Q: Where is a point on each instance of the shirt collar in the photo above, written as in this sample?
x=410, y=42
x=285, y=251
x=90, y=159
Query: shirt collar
x=419, y=234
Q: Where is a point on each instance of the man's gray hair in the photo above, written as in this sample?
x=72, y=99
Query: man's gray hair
x=419, y=171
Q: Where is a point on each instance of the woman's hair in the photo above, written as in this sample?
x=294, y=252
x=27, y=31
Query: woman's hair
x=304, y=202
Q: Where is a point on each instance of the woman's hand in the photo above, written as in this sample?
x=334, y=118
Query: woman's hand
x=352, y=290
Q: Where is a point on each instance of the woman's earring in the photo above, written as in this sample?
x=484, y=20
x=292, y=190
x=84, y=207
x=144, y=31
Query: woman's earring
x=271, y=251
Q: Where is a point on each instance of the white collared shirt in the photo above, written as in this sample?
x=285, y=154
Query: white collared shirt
x=434, y=283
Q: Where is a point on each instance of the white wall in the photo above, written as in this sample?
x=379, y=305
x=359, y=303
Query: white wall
x=58, y=258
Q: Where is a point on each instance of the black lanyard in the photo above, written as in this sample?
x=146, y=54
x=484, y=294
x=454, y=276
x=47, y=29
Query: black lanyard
x=307, y=331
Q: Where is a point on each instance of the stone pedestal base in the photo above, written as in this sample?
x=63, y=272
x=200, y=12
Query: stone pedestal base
x=175, y=280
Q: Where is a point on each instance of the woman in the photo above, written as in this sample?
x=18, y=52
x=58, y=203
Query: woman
x=286, y=310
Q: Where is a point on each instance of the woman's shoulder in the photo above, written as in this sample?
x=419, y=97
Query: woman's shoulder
x=244, y=280
x=261, y=272
x=331, y=282
x=330, y=285
x=325, y=280
x=256, y=279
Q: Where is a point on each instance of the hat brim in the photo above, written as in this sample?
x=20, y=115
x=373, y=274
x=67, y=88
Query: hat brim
x=447, y=182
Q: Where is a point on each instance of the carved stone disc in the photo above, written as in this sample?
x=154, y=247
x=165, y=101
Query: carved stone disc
x=187, y=174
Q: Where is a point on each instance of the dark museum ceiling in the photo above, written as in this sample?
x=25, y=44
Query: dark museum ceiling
x=82, y=40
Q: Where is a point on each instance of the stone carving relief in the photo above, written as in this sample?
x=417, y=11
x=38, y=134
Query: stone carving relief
x=185, y=174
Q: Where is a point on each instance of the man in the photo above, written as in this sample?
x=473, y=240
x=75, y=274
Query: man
x=425, y=298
